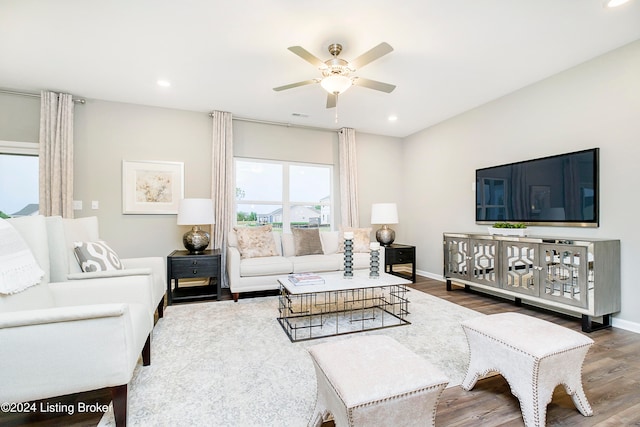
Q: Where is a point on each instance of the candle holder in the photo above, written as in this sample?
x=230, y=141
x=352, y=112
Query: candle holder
x=374, y=264
x=348, y=258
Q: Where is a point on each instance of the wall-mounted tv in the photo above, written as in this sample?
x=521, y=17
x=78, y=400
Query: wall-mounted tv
x=559, y=190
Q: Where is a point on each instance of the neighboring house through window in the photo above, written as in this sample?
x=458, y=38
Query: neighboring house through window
x=18, y=178
x=283, y=194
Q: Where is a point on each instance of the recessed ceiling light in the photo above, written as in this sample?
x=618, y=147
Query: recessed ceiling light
x=614, y=3
x=393, y=118
x=164, y=83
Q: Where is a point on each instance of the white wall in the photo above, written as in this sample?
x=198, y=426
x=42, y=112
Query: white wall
x=596, y=104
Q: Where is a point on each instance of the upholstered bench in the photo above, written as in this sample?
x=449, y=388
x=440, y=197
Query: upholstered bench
x=374, y=381
x=533, y=355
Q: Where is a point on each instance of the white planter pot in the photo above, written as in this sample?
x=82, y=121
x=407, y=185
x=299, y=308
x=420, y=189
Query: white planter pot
x=508, y=231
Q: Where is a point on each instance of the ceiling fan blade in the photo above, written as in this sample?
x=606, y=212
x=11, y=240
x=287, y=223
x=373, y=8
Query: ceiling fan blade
x=331, y=100
x=373, y=84
x=292, y=85
x=307, y=56
x=371, y=55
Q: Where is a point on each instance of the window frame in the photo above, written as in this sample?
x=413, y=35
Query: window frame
x=286, y=203
x=20, y=148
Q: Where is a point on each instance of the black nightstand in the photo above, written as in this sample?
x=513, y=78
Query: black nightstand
x=183, y=265
x=400, y=254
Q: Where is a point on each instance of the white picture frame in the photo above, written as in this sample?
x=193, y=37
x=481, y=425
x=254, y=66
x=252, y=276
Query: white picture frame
x=152, y=187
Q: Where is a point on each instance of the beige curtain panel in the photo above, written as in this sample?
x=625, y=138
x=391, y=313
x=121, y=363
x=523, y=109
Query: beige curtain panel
x=56, y=154
x=348, y=177
x=222, y=191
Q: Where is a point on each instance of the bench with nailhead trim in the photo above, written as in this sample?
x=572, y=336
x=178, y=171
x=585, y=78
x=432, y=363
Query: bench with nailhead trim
x=374, y=381
x=533, y=355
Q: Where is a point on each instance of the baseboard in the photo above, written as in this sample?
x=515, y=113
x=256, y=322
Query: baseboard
x=626, y=325
x=615, y=322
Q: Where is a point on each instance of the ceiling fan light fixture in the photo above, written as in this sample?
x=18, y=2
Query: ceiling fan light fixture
x=336, y=84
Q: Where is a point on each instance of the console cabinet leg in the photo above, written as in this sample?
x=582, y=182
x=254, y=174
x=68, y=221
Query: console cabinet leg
x=589, y=326
x=448, y=285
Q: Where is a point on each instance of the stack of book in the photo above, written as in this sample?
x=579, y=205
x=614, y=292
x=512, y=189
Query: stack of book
x=300, y=279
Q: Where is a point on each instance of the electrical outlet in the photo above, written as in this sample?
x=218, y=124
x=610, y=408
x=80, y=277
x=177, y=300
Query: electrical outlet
x=95, y=204
x=77, y=205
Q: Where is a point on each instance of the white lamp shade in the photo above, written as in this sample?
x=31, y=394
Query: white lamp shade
x=336, y=83
x=195, y=212
x=384, y=213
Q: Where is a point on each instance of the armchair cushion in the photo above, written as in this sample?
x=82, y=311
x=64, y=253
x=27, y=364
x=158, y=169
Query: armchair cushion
x=96, y=256
x=18, y=268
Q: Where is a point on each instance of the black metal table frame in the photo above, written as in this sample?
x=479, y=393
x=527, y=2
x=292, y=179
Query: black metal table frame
x=307, y=316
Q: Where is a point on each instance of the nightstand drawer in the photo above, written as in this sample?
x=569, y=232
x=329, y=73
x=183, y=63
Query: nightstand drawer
x=193, y=267
x=400, y=256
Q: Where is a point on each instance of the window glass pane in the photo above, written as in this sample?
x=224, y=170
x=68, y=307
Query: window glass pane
x=18, y=185
x=309, y=183
x=258, y=181
x=258, y=214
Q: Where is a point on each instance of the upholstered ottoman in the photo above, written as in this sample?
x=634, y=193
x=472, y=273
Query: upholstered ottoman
x=374, y=381
x=533, y=355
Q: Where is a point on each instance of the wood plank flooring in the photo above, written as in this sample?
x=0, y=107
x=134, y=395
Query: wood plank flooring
x=611, y=378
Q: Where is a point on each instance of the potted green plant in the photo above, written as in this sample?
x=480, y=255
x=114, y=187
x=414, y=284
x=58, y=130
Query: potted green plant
x=509, y=229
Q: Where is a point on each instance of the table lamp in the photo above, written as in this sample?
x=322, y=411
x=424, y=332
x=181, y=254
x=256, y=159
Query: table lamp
x=195, y=212
x=384, y=213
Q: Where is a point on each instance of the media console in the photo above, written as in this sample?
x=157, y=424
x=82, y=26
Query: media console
x=574, y=275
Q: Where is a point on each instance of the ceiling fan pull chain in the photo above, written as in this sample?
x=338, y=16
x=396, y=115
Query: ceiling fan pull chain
x=336, y=94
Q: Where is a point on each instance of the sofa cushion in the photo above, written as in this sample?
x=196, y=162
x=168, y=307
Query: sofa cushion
x=329, y=241
x=265, y=266
x=96, y=256
x=306, y=241
x=361, y=239
x=288, y=247
x=254, y=242
x=316, y=263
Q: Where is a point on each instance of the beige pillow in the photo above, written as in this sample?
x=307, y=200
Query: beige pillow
x=306, y=241
x=361, y=239
x=254, y=242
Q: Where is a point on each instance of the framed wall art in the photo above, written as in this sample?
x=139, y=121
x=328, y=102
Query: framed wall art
x=150, y=187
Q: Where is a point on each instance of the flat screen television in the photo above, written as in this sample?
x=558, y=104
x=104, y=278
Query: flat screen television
x=559, y=190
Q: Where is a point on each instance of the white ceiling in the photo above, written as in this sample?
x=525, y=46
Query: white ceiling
x=450, y=55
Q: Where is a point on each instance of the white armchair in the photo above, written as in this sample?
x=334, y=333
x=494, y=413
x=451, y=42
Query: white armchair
x=62, y=338
x=62, y=235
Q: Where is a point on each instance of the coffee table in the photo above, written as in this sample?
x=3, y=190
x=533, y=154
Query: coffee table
x=342, y=306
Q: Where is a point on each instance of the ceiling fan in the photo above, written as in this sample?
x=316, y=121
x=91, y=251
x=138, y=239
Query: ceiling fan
x=337, y=73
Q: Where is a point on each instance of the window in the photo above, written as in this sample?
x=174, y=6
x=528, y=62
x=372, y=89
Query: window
x=283, y=194
x=18, y=178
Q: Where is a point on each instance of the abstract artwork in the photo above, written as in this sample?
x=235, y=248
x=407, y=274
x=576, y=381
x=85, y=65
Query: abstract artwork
x=150, y=187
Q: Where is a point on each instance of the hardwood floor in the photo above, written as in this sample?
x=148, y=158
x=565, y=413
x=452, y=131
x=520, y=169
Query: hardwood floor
x=611, y=378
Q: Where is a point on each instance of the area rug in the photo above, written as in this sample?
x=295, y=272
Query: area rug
x=231, y=364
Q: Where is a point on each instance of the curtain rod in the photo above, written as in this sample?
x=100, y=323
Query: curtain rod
x=36, y=95
x=289, y=125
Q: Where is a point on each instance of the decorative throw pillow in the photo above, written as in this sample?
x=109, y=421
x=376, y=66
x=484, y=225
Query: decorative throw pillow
x=361, y=239
x=306, y=241
x=254, y=242
x=96, y=256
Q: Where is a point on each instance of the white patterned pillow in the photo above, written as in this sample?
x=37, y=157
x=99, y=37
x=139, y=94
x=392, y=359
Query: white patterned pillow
x=96, y=256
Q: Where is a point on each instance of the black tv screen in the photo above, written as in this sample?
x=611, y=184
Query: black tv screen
x=557, y=190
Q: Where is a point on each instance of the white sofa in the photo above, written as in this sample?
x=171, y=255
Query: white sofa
x=70, y=337
x=261, y=273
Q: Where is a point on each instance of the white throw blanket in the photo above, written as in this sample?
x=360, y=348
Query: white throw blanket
x=18, y=268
